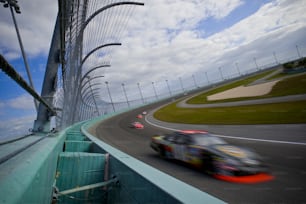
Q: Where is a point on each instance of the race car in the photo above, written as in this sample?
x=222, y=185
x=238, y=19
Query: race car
x=137, y=125
x=212, y=154
x=139, y=116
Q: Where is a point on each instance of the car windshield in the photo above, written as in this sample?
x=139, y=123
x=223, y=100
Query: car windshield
x=207, y=140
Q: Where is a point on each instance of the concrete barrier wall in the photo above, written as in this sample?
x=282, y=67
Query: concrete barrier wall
x=28, y=177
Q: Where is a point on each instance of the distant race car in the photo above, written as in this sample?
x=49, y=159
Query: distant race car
x=137, y=125
x=139, y=116
x=213, y=155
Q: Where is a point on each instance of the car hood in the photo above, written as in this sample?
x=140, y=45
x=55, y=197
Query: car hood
x=236, y=152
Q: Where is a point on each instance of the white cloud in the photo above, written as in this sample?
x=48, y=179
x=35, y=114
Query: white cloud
x=16, y=127
x=24, y=102
x=277, y=16
x=163, y=40
x=35, y=23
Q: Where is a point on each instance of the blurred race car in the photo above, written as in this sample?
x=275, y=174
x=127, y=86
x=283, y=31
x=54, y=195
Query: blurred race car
x=139, y=116
x=137, y=125
x=213, y=155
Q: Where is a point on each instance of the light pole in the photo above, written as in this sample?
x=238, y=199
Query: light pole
x=194, y=80
x=110, y=97
x=298, y=51
x=124, y=91
x=181, y=83
x=221, y=73
x=256, y=63
x=238, y=68
x=154, y=90
x=138, y=84
x=207, y=77
x=13, y=4
x=168, y=87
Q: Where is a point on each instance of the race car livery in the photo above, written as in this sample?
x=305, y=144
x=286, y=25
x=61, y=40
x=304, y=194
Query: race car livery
x=137, y=125
x=213, y=155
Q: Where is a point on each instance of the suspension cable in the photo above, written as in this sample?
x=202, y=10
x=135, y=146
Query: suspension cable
x=10, y=71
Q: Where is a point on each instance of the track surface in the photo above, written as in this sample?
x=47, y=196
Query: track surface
x=287, y=160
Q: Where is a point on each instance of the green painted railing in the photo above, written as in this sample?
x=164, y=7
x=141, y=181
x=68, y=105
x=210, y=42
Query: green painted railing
x=28, y=177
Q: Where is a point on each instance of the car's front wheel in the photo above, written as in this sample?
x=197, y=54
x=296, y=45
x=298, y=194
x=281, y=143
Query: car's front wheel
x=161, y=151
x=208, y=164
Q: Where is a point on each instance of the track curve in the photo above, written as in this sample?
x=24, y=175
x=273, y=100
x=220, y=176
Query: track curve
x=287, y=160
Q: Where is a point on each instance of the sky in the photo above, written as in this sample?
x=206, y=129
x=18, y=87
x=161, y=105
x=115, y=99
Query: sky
x=164, y=40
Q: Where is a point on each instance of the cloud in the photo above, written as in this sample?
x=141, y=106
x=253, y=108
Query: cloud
x=276, y=16
x=16, y=116
x=16, y=127
x=36, y=23
x=23, y=102
x=164, y=40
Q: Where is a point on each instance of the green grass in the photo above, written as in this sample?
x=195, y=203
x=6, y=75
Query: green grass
x=202, y=98
x=290, y=86
x=277, y=113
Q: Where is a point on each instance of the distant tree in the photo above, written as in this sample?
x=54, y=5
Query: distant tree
x=289, y=65
x=302, y=62
x=294, y=65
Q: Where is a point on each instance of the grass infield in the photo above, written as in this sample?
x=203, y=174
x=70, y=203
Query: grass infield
x=276, y=113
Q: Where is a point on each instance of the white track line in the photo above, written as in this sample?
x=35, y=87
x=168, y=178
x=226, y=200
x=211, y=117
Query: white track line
x=233, y=137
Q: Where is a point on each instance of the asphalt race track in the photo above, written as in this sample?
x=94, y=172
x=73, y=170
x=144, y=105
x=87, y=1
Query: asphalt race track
x=282, y=146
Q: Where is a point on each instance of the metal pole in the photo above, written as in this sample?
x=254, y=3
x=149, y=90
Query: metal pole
x=9, y=70
x=124, y=91
x=110, y=97
x=140, y=93
x=207, y=77
x=168, y=87
x=238, y=68
x=154, y=90
x=256, y=63
x=194, y=80
x=298, y=51
x=181, y=83
x=21, y=47
x=42, y=122
x=221, y=73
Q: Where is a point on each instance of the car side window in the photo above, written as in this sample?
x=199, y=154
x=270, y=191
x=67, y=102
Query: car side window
x=170, y=138
x=182, y=139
